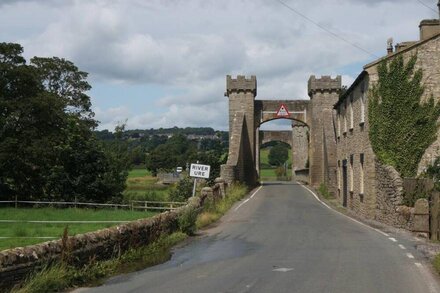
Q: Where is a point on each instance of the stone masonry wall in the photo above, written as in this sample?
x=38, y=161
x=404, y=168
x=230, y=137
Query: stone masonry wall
x=352, y=143
x=389, y=209
x=16, y=264
x=300, y=147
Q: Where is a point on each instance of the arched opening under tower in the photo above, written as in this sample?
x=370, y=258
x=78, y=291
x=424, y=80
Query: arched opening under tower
x=275, y=138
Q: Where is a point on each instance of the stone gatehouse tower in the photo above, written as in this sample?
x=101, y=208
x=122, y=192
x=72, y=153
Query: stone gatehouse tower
x=246, y=115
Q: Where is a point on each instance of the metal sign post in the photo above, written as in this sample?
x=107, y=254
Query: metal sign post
x=198, y=171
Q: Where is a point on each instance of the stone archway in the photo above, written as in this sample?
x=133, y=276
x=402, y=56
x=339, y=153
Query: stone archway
x=247, y=114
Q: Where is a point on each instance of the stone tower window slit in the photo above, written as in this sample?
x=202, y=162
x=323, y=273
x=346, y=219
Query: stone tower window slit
x=350, y=106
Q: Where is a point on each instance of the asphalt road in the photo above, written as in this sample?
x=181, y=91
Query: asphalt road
x=283, y=240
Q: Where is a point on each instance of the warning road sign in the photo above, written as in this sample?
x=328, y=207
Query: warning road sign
x=283, y=111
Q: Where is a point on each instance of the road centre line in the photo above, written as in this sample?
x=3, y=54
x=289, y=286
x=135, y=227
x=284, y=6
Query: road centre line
x=409, y=255
x=246, y=200
x=401, y=246
x=392, y=239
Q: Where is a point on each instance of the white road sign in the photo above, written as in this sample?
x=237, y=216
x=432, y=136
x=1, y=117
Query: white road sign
x=199, y=171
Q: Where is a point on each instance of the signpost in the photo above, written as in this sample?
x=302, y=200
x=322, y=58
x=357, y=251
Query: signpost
x=198, y=171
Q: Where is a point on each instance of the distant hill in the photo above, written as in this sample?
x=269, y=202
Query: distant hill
x=192, y=133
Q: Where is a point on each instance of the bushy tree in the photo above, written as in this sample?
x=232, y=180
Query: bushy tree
x=278, y=155
x=47, y=146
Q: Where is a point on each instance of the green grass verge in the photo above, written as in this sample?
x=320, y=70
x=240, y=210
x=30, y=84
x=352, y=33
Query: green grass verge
x=55, y=230
x=213, y=211
x=60, y=277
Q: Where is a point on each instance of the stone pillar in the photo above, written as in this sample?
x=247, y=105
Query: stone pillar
x=300, y=147
x=241, y=93
x=324, y=93
x=257, y=151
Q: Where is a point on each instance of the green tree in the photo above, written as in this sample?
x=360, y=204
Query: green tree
x=278, y=155
x=175, y=152
x=402, y=127
x=47, y=146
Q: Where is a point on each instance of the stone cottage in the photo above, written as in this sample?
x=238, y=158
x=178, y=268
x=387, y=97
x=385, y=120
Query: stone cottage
x=365, y=186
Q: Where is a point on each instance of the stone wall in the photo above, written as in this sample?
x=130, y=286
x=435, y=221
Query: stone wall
x=355, y=151
x=16, y=264
x=390, y=209
x=300, y=147
x=302, y=175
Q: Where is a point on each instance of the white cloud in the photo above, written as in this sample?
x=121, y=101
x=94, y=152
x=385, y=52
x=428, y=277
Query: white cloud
x=191, y=45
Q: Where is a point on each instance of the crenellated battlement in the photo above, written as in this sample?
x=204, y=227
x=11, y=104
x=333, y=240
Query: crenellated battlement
x=324, y=84
x=241, y=84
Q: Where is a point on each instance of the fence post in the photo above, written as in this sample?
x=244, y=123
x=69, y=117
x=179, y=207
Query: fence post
x=434, y=215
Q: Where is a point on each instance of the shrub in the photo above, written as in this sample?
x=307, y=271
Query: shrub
x=182, y=191
x=323, y=190
x=187, y=221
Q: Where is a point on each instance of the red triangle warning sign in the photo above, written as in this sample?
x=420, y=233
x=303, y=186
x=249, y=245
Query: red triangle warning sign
x=282, y=111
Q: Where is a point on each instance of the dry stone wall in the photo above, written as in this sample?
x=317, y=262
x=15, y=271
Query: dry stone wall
x=16, y=264
x=389, y=205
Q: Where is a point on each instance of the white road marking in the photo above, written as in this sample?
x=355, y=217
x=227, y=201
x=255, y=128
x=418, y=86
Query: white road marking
x=409, y=255
x=246, y=200
x=401, y=246
x=381, y=232
x=392, y=239
x=317, y=198
x=356, y=221
x=283, y=270
x=433, y=287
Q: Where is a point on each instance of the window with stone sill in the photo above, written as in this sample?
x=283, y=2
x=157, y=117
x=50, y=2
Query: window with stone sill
x=345, y=121
x=362, y=100
x=361, y=174
x=339, y=125
x=351, y=174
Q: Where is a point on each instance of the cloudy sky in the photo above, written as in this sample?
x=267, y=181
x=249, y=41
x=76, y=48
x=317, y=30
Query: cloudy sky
x=162, y=63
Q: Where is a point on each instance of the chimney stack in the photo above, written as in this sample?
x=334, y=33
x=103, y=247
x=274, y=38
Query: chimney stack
x=390, y=46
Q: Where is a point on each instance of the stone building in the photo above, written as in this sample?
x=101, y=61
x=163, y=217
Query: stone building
x=364, y=185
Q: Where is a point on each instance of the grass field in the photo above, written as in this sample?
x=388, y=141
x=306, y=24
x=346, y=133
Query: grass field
x=269, y=173
x=142, y=186
x=138, y=173
x=21, y=231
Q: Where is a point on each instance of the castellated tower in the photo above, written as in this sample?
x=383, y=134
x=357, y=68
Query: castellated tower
x=241, y=92
x=324, y=93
